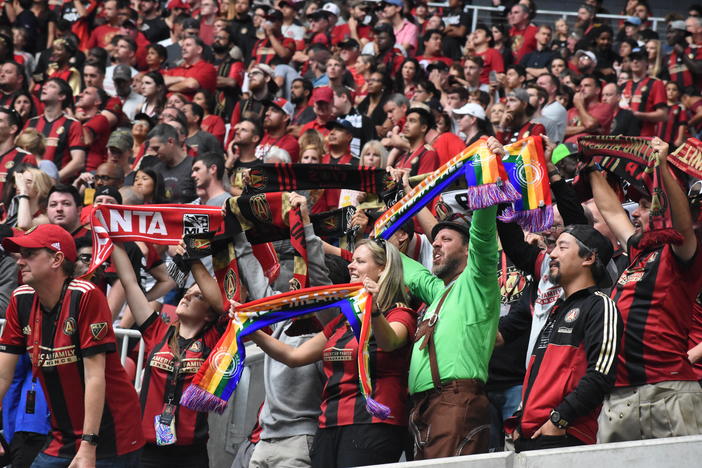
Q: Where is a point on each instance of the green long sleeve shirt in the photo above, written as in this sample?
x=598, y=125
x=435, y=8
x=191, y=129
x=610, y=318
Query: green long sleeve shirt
x=465, y=331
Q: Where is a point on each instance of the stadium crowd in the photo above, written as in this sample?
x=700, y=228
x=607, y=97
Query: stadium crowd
x=486, y=337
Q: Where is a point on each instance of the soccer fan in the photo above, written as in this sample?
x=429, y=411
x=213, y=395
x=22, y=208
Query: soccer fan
x=94, y=408
x=241, y=154
x=674, y=128
x=419, y=158
x=152, y=23
x=386, y=53
x=13, y=79
x=481, y=44
x=583, y=331
x=684, y=61
x=537, y=98
x=274, y=48
x=131, y=101
x=406, y=32
x=300, y=93
x=455, y=26
x=623, y=120
x=644, y=95
x=654, y=295
x=535, y=62
x=553, y=109
x=208, y=15
x=10, y=154
x=449, y=413
x=230, y=73
x=65, y=145
x=522, y=33
x=63, y=208
x=516, y=123
x=123, y=53
x=431, y=51
x=588, y=116
x=262, y=89
x=207, y=173
x=96, y=127
x=174, y=164
x=198, y=140
x=195, y=73
x=322, y=104
x=275, y=127
x=102, y=35
x=343, y=108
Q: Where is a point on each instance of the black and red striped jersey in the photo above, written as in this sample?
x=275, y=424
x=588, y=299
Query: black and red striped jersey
x=655, y=296
x=342, y=401
x=62, y=135
x=81, y=328
x=645, y=95
x=572, y=366
x=191, y=426
x=10, y=159
x=668, y=129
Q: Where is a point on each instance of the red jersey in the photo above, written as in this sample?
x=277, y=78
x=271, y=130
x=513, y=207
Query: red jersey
x=204, y=72
x=422, y=160
x=99, y=126
x=529, y=128
x=523, y=41
x=81, y=328
x=315, y=125
x=603, y=113
x=342, y=401
x=191, y=426
x=62, y=135
x=287, y=142
x=669, y=128
x=392, y=60
x=679, y=73
x=12, y=158
x=655, y=295
x=645, y=95
x=492, y=61
x=263, y=51
x=102, y=36
x=340, y=33
x=214, y=125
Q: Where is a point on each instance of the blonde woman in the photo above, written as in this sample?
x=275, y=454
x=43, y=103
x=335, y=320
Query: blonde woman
x=34, y=142
x=32, y=187
x=359, y=438
x=655, y=58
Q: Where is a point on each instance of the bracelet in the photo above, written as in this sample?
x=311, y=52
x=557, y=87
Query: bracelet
x=553, y=173
x=22, y=196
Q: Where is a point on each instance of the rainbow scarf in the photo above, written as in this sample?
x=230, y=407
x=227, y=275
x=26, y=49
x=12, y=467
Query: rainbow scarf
x=526, y=168
x=219, y=375
x=485, y=177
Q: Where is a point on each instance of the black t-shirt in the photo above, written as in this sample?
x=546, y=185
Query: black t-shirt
x=453, y=46
x=625, y=124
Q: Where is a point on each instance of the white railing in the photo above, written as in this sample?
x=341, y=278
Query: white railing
x=539, y=13
x=123, y=334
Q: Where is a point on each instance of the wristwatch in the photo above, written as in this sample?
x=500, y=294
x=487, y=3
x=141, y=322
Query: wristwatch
x=557, y=420
x=92, y=439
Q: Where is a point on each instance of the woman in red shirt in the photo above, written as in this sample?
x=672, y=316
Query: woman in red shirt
x=348, y=434
x=175, y=436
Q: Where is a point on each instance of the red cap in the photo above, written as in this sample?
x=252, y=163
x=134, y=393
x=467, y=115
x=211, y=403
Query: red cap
x=44, y=236
x=178, y=4
x=323, y=93
x=284, y=105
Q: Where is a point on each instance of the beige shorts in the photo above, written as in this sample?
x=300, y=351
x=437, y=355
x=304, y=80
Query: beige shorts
x=654, y=411
x=287, y=452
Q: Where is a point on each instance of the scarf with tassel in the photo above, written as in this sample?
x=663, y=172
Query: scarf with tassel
x=641, y=163
x=485, y=177
x=219, y=375
x=526, y=168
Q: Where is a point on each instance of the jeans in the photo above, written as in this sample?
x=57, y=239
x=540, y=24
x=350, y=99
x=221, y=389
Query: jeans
x=128, y=460
x=503, y=405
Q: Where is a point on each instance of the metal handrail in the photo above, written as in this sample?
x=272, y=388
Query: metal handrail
x=124, y=334
x=563, y=14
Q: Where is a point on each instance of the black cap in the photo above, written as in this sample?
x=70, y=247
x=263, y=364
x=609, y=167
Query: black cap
x=110, y=191
x=455, y=221
x=638, y=54
x=349, y=43
x=341, y=124
x=438, y=65
x=384, y=27
x=597, y=243
x=274, y=16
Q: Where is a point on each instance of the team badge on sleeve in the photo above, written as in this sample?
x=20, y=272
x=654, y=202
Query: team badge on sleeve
x=98, y=330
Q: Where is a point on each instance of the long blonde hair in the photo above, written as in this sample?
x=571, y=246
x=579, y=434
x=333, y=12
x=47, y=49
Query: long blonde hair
x=391, y=281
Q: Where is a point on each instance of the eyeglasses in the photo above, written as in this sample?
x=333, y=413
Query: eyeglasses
x=85, y=258
x=255, y=72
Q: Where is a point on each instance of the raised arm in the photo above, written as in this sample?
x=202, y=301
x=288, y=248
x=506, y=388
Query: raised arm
x=136, y=299
x=612, y=211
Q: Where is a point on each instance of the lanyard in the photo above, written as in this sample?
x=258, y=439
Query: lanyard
x=37, y=329
x=172, y=379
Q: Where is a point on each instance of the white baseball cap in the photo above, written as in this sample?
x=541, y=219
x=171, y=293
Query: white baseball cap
x=472, y=109
x=332, y=8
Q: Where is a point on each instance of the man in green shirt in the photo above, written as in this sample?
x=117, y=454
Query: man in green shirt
x=455, y=338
